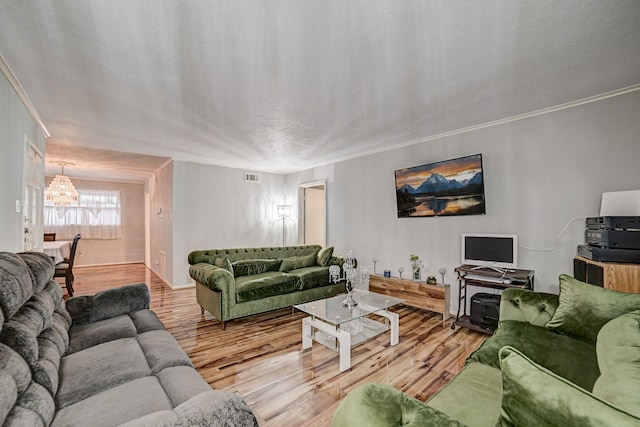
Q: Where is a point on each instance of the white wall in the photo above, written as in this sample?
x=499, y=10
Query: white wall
x=215, y=208
x=15, y=123
x=540, y=173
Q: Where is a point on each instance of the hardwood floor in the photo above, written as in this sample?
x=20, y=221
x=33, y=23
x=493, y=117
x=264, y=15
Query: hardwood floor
x=260, y=357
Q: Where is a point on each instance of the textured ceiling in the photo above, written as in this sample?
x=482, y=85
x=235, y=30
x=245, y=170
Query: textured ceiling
x=286, y=85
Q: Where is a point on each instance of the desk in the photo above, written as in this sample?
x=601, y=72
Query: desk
x=58, y=250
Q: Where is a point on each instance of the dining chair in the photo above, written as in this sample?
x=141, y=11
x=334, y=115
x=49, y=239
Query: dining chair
x=49, y=237
x=65, y=268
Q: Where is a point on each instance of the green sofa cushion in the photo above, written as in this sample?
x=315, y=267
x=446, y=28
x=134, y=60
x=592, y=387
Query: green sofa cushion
x=479, y=387
x=618, y=350
x=311, y=277
x=259, y=286
x=249, y=267
x=535, y=396
x=380, y=405
x=568, y=357
x=224, y=263
x=585, y=308
x=323, y=257
x=294, y=263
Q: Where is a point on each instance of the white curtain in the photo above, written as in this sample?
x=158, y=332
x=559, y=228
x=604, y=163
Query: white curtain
x=97, y=216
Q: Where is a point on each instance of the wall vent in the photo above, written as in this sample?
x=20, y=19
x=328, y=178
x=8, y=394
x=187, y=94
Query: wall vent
x=251, y=177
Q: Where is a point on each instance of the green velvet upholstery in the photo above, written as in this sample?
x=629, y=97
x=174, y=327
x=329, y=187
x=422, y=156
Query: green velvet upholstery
x=538, y=369
x=311, y=277
x=535, y=396
x=585, y=308
x=324, y=255
x=228, y=297
x=297, y=262
x=618, y=350
x=378, y=405
x=259, y=286
x=477, y=385
x=572, y=359
x=223, y=262
x=248, y=267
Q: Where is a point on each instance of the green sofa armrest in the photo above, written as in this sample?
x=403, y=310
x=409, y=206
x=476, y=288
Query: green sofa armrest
x=215, y=278
x=108, y=304
x=523, y=305
x=380, y=405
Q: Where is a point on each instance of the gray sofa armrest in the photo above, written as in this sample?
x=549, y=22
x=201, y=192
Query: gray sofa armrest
x=212, y=408
x=108, y=304
x=380, y=405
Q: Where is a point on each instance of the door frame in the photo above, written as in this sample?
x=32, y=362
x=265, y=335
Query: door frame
x=302, y=211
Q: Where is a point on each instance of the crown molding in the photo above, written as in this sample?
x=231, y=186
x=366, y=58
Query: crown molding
x=13, y=81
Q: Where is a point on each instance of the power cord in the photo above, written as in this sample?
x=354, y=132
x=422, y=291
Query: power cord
x=557, y=242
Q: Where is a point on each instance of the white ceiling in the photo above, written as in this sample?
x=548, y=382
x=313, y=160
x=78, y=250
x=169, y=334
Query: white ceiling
x=285, y=85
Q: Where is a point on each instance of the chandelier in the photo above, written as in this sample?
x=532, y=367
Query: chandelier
x=61, y=190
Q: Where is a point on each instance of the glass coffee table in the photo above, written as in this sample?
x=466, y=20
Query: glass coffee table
x=340, y=328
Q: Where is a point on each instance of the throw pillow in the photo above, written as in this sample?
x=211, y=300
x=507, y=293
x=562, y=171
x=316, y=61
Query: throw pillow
x=224, y=263
x=535, y=396
x=293, y=263
x=619, y=362
x=248, y=267
x=585, y=308
x=324, y=256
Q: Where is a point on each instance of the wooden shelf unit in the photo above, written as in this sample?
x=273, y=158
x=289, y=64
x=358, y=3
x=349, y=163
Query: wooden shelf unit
x=416, y=294
x=611, y=275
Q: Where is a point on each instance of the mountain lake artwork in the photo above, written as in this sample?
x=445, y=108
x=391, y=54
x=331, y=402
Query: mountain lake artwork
x=450, y=187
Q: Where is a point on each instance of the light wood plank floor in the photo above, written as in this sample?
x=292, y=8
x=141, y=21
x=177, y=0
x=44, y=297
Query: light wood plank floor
x=260, y=357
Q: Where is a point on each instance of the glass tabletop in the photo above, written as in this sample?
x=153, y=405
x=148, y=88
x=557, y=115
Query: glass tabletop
x=331, y=309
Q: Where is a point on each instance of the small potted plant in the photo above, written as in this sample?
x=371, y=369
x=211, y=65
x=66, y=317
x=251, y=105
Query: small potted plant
x=416, y=265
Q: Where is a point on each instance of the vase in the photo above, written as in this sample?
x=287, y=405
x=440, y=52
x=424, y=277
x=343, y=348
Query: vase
x=416, y=273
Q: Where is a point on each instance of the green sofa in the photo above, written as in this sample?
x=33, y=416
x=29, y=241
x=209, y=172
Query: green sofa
x=233, y=283
x=567, y=360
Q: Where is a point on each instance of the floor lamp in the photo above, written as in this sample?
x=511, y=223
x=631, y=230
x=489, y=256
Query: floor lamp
x=284, y=212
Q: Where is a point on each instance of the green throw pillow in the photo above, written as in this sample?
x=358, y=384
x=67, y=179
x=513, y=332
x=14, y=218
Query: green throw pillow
x=293, y=263
x=618, y=350
x=224, y=263
x=535, y=396
x=585, y=308
x=248, y=267
x=324, y=256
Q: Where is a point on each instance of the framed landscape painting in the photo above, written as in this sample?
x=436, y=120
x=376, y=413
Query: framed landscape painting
x=449, y=187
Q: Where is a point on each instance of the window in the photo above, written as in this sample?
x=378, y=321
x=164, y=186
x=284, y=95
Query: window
x=97, y=216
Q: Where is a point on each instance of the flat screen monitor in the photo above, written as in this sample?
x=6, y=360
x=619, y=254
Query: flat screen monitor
x=490, y=250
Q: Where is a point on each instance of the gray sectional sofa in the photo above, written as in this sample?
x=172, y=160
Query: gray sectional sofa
x=233, y=283
x=101, y=360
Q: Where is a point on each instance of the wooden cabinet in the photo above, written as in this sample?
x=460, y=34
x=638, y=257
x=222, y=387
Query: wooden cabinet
x=416, y=294
x=611, y=275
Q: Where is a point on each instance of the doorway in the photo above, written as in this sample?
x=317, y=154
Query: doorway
x=312, y=227
x=32, y=215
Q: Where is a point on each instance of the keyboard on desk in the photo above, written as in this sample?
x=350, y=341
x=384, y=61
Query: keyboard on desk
x=491, y=279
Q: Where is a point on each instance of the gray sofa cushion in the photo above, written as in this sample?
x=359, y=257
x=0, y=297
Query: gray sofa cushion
x=124, y=326
x=117, y=405
x=95, y=369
